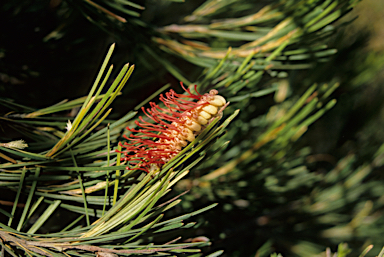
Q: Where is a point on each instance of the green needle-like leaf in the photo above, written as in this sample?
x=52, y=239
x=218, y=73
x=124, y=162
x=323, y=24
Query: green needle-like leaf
x=47, y=213
x=15, y=202
x=29, y=200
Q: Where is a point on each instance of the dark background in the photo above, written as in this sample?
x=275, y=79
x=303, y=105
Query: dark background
x=48, y=53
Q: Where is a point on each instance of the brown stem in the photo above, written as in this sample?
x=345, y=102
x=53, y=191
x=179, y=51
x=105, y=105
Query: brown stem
x=34, y=246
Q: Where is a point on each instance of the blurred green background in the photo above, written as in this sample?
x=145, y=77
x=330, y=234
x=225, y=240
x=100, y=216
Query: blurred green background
x=51, y=50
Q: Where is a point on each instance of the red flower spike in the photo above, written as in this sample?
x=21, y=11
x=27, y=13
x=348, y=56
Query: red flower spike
x=179, y=122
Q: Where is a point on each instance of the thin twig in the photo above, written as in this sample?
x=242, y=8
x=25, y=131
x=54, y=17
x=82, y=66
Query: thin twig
x=32, y=246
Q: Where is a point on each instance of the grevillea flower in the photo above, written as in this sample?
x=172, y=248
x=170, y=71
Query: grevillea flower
x=168, y=129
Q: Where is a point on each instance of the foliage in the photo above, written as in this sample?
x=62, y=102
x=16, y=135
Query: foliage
x=78, y=163
x=274, y=193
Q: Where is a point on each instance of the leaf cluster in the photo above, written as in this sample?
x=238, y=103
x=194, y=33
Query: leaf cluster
x=262, y=181
x=79, y=171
